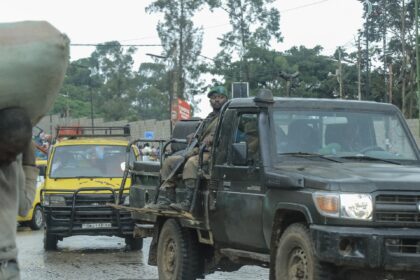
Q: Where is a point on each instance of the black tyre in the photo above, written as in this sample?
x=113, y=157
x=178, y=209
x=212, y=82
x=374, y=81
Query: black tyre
x=134, y=244
x=37, y=221
x=295, y=258
x=50, y=241
x=177, y=253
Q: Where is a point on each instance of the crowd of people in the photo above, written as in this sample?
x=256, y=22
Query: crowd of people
x=42, y=144
x=149, y=152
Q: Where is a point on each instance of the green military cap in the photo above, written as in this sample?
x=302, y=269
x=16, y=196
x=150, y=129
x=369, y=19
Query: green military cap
x=218, y=90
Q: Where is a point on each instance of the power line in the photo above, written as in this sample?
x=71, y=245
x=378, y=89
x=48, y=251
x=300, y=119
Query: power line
x=115, y=45
x=304, y=6
x=225, y=24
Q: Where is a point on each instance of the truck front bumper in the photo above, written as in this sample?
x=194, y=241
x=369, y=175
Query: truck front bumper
x=95, y=220
x=385, y=248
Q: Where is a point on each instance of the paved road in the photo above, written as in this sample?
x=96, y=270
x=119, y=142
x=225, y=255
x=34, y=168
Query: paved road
x=103, y=258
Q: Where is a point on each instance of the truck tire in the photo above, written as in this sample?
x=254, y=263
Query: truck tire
x=37, y=218
x=177, y=254
x=295, y=257
x=50, y=241
x=134, y=244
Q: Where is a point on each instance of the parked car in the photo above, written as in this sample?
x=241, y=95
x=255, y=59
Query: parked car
x=35, y=217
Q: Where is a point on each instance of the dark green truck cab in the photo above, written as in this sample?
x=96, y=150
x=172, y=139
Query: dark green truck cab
x=332, y=190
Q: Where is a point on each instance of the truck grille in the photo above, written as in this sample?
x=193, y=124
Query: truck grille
x=401, y=209
x=90, y=200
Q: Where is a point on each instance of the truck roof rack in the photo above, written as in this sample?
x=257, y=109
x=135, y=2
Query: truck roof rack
x=89, y=131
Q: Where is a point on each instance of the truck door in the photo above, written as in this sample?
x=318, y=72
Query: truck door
x=237, y=217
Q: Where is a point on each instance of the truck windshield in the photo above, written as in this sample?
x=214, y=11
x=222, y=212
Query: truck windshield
x=343, y=134
x=90, y=161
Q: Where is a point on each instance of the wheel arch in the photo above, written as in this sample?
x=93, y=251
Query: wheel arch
x=285, y=215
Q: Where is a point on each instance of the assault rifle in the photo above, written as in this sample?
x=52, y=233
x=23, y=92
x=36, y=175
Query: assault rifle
x=185, y=155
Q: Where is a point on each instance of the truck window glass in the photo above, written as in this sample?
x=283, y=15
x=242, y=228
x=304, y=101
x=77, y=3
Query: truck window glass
x=342, y=133
x=247, y=131
x=88, y=161
x=222, y=143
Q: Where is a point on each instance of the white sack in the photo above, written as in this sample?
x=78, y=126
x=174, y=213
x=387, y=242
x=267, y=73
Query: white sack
x=33, y=61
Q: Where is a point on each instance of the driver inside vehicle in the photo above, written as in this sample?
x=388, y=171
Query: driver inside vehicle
x=352, y=138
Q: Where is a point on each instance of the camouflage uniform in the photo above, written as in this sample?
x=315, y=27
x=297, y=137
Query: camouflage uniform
x=167, y=196
x=191, y=166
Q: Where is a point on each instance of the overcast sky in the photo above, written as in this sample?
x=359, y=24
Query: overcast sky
x=329, y=23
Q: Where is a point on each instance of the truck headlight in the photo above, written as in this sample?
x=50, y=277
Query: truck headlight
x=54, y=200
x=356, y=206
x=344, y=205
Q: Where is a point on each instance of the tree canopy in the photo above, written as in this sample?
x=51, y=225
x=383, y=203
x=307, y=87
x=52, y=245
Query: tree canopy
x=382, y=69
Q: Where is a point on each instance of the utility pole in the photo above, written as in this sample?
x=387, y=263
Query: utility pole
x=384, y=48
x=91, y=107
x=340, y=73
x=359, y=65
x=367, y=84
x=417, y=58
x=390, y=82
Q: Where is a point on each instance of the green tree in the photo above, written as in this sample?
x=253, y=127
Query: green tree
x=111, y=64
x=394, y=20
x=181, y=41
x=152, y=100
x=74, y=97
x=253, y=25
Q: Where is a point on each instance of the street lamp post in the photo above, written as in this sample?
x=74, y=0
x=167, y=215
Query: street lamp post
x=90, y=91
x=169, y=88
x=91, y=106
x=417, y=58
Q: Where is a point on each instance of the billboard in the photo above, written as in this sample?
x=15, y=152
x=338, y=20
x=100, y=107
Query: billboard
x=181, y=110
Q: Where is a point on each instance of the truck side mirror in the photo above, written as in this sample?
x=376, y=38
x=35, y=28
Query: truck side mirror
x=240, y=153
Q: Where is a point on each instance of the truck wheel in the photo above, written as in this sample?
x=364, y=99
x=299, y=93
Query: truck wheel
x=50, y=241
x=134, y=244
x=37, y=218
x=295, y=258
x=177, y=255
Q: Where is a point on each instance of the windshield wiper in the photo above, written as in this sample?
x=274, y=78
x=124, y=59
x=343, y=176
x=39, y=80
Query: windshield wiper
x=308, y=155
x=364, y=157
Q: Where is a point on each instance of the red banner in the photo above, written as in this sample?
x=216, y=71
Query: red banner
x=181, y=110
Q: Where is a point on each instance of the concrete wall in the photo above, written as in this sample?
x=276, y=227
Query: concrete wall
x=138, y=128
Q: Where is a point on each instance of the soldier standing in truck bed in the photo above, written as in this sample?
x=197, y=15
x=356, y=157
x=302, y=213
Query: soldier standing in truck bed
x=167, y=196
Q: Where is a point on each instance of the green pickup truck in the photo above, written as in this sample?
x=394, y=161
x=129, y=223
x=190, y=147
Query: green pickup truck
x=332, y=191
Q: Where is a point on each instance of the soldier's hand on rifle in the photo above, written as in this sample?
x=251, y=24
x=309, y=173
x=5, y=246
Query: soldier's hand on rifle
x=190, y=137
x=208, y=140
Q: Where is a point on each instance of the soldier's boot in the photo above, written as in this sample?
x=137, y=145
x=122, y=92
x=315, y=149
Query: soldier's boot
x=185, y=205
x=167, y=195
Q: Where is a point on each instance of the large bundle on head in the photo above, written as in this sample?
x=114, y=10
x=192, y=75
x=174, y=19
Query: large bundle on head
x=33, y=61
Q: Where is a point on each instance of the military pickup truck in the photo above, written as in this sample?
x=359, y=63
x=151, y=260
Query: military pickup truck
x=332, y=190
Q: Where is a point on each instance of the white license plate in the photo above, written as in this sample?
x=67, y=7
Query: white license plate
x=98, y=225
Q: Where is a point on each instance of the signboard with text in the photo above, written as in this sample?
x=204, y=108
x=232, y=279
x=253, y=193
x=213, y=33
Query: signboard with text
x=181, y=110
